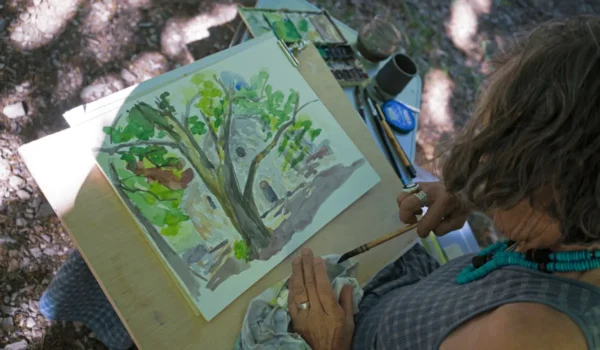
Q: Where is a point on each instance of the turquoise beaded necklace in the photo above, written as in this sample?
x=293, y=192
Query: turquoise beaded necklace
x=502, y=254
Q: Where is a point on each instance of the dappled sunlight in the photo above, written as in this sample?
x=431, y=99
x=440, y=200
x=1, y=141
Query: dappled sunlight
x=99, y=14
x=463, y=25
x=39, y=25
x=144, y=66
x=107, y=35
x=197, y=28
x=69, y=82
x=436, y=117
x=138, y=3
x=101, y=87
x=181, y=31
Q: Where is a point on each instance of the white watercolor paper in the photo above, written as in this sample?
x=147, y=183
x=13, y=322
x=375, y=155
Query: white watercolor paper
x=229, y=170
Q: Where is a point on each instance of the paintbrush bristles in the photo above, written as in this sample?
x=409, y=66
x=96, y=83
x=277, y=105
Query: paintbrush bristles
x=354, y=252
x=368, y=246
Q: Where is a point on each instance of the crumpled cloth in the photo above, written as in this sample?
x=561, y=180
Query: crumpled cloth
x=267, y=319
x=75, y=295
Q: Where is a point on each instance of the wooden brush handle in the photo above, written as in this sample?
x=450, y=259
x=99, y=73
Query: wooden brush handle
x=367, y=246
x=392, y=138
x=386, y=238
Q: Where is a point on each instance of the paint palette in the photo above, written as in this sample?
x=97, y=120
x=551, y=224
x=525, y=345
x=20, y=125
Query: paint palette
x=292, y=26
x=344, y=64
x=315, y=26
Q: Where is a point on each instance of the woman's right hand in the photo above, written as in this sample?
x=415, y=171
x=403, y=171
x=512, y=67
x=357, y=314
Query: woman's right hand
x=444, y=214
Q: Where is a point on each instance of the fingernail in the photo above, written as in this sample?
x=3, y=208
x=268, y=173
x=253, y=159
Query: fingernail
x=297, y=261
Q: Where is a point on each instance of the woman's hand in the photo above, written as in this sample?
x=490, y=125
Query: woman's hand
x=444, y=214
x=325, y=324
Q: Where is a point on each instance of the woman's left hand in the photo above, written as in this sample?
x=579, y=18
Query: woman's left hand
x=326, y=324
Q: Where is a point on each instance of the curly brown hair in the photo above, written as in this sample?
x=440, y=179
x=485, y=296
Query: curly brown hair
x=535, y=133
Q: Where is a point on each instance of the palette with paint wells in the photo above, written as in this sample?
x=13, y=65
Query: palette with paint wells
x=344, y=65
x=316, y=26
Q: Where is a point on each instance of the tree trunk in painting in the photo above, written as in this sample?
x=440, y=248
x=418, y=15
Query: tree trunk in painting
x=244, y=212
x=148, y=154
x=254, y=232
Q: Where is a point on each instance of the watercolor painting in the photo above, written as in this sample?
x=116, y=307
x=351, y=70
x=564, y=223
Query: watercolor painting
x=327, y=30
x=302, y=23
x=291, y=26
x=255, y=21
x=230, y=169
x=284, y=28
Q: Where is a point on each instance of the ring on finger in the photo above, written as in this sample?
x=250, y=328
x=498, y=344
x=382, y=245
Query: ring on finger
x=422, y=196
x=411, y=188
x=303, y=306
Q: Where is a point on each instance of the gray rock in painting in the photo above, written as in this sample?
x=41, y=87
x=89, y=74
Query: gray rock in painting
x=195, y=254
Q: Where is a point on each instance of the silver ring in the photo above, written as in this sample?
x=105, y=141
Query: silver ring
x=303, y=306
x=422, y=196
x=412, y=188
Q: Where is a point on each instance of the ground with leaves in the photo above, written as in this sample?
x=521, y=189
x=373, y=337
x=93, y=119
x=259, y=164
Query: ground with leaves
x=57, y=54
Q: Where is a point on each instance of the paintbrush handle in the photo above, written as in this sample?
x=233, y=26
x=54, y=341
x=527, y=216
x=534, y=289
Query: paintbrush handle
x=392, y=137
x=395, y=144
x=368, y=246
x=386, y=238
x=399, y=150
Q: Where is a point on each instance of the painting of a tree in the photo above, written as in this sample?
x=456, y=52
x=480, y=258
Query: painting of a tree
x=227, y=172
x=155, y=175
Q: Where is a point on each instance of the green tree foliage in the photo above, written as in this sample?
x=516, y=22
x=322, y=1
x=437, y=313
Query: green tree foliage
x=152, y=175
x=197, y=127
x=284, y=28
x=159, y=151
x=157, y=202
x=303, y=25
x=240, y=251
x=291, y=147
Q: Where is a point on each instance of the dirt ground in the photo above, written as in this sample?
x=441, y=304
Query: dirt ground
x=58, y=54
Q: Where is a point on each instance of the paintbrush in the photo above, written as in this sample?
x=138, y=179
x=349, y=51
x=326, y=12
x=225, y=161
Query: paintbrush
x=392, y=138
x=358, y=100
x=368, y=246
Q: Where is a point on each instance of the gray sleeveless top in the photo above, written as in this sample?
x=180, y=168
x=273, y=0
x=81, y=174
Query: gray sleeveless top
x=414, y=304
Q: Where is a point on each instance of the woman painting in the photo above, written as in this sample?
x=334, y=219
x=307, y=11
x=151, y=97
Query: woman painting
x=529, y=158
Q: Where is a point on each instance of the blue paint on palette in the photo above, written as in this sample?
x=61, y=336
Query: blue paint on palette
x=399, y=116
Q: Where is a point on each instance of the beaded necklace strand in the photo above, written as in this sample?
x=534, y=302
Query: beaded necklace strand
x=501, y=254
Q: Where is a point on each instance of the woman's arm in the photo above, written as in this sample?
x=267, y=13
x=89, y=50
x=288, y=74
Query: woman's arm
x=518, y=326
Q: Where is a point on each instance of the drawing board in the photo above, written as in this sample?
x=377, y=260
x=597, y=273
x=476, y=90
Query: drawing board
x=230, y=169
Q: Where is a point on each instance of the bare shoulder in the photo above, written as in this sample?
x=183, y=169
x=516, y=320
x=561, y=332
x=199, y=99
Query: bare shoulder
x=518, y=326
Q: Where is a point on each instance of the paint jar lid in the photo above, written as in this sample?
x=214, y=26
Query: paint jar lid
x=399, y=116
